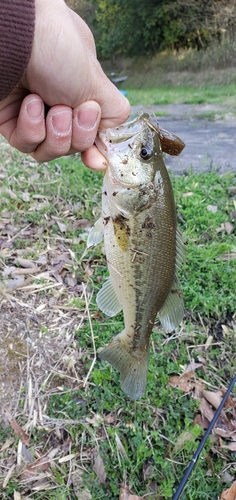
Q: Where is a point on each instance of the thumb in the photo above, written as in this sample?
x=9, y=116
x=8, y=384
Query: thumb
x=115, y=108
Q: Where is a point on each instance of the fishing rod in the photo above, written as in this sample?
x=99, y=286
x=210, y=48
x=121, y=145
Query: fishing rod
x=202, y=443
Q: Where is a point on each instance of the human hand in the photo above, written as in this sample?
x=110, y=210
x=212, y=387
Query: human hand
x=63, y=73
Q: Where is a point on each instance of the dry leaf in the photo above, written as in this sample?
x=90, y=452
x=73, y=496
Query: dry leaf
x=17, y=428
x=208, y=342
x=227, y=256
x=226, y=477
x=212, y=208
x=66, y=458
x=185, y=436
x=230, y=446
x=61, y=226
x=191, y=368
x=24, y=262
x=10, y=193
x=190, y=193
x=17, y=495
x=81, y=493
x=202, y=421
x=125, y=494
x=206, y=410
x=182, y=382
x=16, y=283
x=25, y=196
x=96, y=420
x=99, y=468
x=229, y=494
x=214, y=398
x=228, y=227
x=21, y=271
x=121, y=447
x=40, y=465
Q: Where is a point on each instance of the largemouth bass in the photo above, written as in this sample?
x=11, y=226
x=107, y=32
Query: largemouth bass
x=143, y=246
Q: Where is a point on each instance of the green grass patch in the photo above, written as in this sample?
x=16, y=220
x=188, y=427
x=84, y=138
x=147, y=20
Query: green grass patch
x=162, y=95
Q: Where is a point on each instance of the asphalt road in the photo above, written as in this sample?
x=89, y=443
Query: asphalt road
x=210, y=144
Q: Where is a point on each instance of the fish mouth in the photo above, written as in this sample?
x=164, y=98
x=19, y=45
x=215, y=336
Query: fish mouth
x=118, y=139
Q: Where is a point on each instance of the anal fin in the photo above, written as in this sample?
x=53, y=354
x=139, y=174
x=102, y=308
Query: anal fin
x=172, y=312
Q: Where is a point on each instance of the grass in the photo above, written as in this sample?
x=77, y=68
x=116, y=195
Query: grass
x=161, y=95
x=72, y=408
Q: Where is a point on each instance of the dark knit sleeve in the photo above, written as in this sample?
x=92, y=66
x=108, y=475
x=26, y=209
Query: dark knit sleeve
x=16, y=38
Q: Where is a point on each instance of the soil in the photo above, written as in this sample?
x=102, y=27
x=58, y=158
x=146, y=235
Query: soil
x=208, y=131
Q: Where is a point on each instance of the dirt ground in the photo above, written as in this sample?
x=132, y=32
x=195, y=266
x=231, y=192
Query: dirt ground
x=208, y=131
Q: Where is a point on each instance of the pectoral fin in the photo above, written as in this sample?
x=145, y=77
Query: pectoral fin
x=107, y=299
x=172, y=312
x=96, y=234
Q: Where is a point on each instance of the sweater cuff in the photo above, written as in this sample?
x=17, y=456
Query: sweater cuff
x=16, y=39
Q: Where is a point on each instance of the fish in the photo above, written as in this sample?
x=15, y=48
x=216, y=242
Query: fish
x=144, y=249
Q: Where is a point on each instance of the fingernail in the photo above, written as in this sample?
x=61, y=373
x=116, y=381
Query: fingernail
x=35, y=108
x=62, y=122
x=87, y=117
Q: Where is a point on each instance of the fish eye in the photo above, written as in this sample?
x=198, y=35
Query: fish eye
x=145, y=153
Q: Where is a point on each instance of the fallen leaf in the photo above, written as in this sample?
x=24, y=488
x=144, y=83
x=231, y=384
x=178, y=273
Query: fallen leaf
x=121, y=447
x=147, y=469
x=212, y=208
x=19, y=271
x=182, y=382
x=192, y=367
x=82, y=223
x=24, y=262
x=227, y=256
x=17, y=428
x=184, y=436
x=229, y=494
x=202, y=421
x=226, y=477
x=185, y=195
x=11, y=194
x=208, y=342
x=70, y=280
x=214, y=398
x=99, y=468
x=25, y=197
x=39, y=465
x=126, y=494
x=225, y=226
x=61, y=226
x=206, y=410
x=230, y=446
x=14, y=284
x=81, y=493
x=66, y=458
x=96, y=420
x=17, y=495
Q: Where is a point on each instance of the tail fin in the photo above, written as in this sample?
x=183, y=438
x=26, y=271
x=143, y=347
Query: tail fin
x=133, y=370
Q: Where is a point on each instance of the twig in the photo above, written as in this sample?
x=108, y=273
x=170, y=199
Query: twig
x=92, y=336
